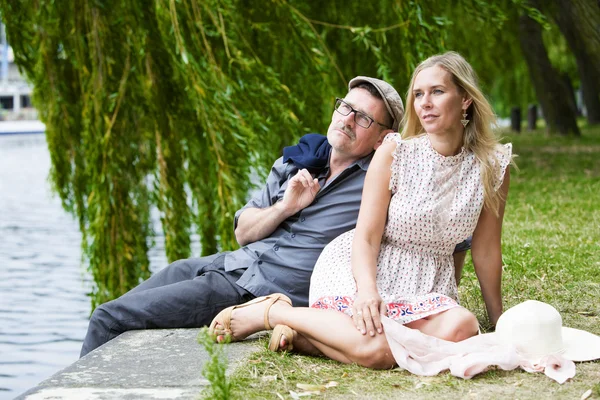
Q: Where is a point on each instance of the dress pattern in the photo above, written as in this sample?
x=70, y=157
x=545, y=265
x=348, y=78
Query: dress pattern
x=436, y=202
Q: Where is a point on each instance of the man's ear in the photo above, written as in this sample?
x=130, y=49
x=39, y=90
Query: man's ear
x=381, y=137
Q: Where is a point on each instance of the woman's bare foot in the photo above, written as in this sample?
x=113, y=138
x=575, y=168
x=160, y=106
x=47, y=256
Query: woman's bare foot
x=284, y=343
x=290, y=340
x=247, y=319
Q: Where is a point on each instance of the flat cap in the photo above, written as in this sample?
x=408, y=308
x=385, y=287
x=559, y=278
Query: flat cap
x=390, y=97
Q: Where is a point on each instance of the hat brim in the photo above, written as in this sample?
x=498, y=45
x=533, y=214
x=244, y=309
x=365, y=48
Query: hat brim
x=580, y=345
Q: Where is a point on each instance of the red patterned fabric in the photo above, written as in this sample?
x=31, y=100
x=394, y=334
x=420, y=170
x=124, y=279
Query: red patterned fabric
x=401, y=311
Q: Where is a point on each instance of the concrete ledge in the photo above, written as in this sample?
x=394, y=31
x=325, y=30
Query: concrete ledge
x=148, y=364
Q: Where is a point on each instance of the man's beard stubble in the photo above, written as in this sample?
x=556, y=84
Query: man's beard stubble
x=350, y=132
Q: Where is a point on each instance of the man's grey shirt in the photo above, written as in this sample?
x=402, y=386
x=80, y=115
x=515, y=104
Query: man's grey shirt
x=284, y=261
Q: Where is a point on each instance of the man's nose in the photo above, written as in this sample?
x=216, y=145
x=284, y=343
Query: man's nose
x=349, y=119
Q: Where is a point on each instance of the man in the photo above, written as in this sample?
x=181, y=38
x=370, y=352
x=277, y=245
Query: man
x=282, y=230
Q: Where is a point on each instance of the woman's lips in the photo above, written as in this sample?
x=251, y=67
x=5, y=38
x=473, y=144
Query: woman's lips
x=428, y=117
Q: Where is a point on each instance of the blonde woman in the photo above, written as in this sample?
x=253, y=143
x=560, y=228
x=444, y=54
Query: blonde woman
x=444, y=179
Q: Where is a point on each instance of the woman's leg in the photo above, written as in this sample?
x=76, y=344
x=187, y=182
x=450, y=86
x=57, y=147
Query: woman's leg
x=336, y=336
x=345, y=343
x=331, y=332
x=301, y=345
x=453, y=325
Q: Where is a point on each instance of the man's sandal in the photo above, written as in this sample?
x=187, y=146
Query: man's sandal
x=280, y=332
x=224, y=317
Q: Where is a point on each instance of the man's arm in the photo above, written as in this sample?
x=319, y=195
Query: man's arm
x=254, y=224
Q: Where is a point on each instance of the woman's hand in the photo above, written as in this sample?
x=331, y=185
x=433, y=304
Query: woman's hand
x=366, y=312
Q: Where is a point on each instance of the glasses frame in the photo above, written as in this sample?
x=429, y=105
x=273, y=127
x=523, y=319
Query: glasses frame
x=339, y=102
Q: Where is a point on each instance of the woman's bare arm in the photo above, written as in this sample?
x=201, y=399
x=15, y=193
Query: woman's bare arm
x=487, y=254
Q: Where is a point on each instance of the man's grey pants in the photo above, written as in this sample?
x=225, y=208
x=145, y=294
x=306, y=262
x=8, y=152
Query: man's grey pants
x=186, y=294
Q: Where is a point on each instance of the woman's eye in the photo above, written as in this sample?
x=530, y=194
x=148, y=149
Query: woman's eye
x=438, y=91
x=418, y=94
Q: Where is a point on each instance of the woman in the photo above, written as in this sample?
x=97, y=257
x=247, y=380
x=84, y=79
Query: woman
x=446, y=179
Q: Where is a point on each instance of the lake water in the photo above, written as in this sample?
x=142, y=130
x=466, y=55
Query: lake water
x=44, y=308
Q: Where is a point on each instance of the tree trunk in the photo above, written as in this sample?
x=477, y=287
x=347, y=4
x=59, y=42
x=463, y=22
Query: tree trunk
x=550, y=88
x=590, y=90
x=579, y=22
x=585, y=17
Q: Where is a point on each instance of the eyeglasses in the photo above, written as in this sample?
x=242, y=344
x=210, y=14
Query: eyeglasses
x=361, y=119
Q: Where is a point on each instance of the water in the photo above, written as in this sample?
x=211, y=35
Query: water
x=44, y=309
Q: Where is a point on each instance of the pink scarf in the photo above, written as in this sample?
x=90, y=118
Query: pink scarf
x=422, y=354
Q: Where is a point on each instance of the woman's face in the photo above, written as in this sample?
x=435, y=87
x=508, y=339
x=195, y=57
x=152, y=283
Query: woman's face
x=439, y=104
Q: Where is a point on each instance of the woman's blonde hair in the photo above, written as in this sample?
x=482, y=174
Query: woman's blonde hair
x=478, y=135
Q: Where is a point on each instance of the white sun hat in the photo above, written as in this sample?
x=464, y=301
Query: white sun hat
x=535, y=329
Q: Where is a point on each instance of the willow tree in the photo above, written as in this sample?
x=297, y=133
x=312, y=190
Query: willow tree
x=579, y=21
x=553, y=89
x=174, y=103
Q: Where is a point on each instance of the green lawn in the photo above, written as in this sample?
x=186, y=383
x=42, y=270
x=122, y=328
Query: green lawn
x=551, y=251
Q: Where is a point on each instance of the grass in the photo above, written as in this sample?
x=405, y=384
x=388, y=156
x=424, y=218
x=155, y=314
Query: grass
x=551, y=252
x=215, y=369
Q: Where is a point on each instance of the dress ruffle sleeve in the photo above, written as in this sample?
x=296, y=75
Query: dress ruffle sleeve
x=503, y=157
x=399, y=161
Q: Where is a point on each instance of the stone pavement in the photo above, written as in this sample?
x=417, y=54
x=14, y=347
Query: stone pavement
x=148, y=364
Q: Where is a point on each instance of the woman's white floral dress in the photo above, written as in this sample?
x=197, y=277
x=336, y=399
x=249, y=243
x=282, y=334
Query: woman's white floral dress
x=435, y=204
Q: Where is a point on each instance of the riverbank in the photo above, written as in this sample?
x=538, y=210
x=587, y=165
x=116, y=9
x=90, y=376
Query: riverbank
x=149, y=364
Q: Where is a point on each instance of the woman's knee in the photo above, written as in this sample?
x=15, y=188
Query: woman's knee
x=375, y=354
x=463, y=325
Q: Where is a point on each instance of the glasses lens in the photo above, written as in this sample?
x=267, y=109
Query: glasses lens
x=342, y=107
x=362, y=119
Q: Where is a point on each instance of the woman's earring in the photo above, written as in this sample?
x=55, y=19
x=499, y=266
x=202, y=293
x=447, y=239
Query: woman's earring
x=465, y=121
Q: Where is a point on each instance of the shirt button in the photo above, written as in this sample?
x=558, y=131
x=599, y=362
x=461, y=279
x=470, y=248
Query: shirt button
x=260, y=262
x=316, y=201
x=293, y=235
x=302, y=219
x=276, y=248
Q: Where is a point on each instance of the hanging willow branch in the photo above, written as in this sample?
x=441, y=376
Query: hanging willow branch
x=174, y=104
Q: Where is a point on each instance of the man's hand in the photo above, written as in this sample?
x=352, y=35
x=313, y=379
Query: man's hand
x=367, y=310
x=300, y=193
x=258, y=223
